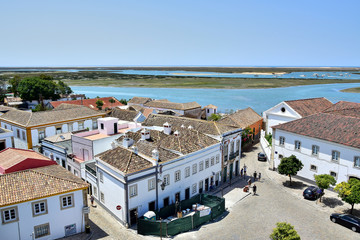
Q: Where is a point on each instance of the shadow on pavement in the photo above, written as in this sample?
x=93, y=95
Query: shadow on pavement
x=294, y=184
x=96, y=231
x=331, y=202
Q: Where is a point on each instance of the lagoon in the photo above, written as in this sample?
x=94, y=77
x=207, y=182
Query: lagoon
x=227, y=99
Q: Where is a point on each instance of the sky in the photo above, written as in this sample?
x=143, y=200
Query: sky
x=179, y=33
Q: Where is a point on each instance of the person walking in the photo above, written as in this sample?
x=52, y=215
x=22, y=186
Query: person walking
x=255, y=175
x=249, y=181
x=254, y=189
x=92, y=200
x=259, y=176
x=245, y=168
x=241, y=172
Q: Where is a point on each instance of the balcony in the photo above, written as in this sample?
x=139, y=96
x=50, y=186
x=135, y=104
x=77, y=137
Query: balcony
x=232, y=156
x=90, y=170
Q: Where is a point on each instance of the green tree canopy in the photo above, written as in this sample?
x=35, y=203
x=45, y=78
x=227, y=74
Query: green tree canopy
x=290, y=166
x=99, y=104
x=14, y=82
x=123, y=101
x=284, y=231
x=64, y=88
x=349, y=192
x=35, y=88
x=214, y=117
x=324, y=181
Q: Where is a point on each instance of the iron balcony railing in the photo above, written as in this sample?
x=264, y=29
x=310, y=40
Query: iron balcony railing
x=90, y=170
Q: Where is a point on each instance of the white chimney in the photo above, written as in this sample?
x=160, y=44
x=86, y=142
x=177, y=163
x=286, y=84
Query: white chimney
x=135, y=149
x=127, y=142
x=145, y=134
x=182, y=126
x=155, y=154
x=190, y=127
x=167, y=128
x=176, y=133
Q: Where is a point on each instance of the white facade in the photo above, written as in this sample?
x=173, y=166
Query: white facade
x=321, y=163
x=6, y=137
x=57, y=218
x=210, y=111
x=231, y=152
x=281, y=113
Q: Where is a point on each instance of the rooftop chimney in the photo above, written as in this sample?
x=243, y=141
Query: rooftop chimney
x=190, y=127
x=145, y=134
x=127, y=142
x=135, y=149
x=167, y=128
x=155, y=154
x=176, y=133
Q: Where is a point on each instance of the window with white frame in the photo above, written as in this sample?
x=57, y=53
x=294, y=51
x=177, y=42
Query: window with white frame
x=9, y=215
x=201, y=166
x=70, y=127
x=334, y=174
x=212, y=161
x=17, y=133
x=225, y=152
x=232, y=147
x=315, y=150
x=187, y=172
x=177, y=175
x=166, y=179
x=237, y=146
x=101, y=176
x=335, y=155
x=313, y=168
x=357, y=161
x=297, y=145
x=58, y=130
x=94, y=124
x=76, y=173
x=80, y=125
x=102, y=197
x=151, y=184
x=24, y=135
x=41, y=134
x=95, y=191
x=133, y=190
x=201, y=183
x=194, y=188
x=207, y=163
x=67, y=201
x=281, y=140
x=217, y=158
x=39, y=208
x=194, y=168
x=42, y=230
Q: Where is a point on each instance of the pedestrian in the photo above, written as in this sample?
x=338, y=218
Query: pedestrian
x=241, y=172
x=255, y=174
x=245, y=167
x=92, y=200
x=254, y=189
x=259, y=176
x=249, y=182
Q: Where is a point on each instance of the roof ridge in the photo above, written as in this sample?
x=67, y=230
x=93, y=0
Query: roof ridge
x=128, y=164
x=47, y=174
x=217, y=127
x=304, y=99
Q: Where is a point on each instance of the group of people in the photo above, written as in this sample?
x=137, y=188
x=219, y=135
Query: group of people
x=257, y=176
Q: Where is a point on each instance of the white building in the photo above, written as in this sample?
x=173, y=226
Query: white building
x=52, y=208
x=150, y=169
x=6, y=138
x=210, y=110
x=326, y=143
x=287, y=111
x=30, y=128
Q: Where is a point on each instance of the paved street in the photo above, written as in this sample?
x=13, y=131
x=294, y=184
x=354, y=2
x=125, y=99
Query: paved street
x=252, y=217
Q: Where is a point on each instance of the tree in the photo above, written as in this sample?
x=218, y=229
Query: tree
x=64, y=88
x=324, y=181
x=35, y=88
x=268, y=137
x=124, y=101
x=214, y=117
x=290, y=166
x=284, y=231
x=349, y=192
x=111, y=100
x=246, y=135
x=99, y=104
x=14, y=82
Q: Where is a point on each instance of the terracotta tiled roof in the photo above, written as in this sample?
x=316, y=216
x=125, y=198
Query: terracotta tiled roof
x=28, y=119
x=123, y=114
x=241, y=118
x=136, y=108
x=91, y=103
x=11, y=156
x=345, y=108
x=211, y=106
x=164, y=103
x=37, y=183
x=306, y=107
x=139, y=100
x=330, y=127
x=203, y=126
x=147, y=112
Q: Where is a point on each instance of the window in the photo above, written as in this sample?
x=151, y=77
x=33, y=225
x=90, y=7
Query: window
x=76, y=173
x=200, y=186
x=70, y=127
x=9, y=215
x=313, y=168
x=232, y=147
x=212, y=161
x=356, y=161
x=102, y=197
x=17, y=133
x=95, y=191
x=57, y=160
x=194, y=168
x=335, y=155
x=280, y=156
x=217, y=158
x=67, y=201
x=194, y=188
x=151, y=184
x=334, y=174
x=297, y=145
x=201, y=166
x=39, y=208
x=58, y=130
x=81, y=125
x=41, y=134
x=281, y=140
x=101, y=125
x=177, y=175
x=94, y=124
x=5, y=126
x=101, y=177
x=133, y=190
x=207, y=163
x=238, y=146
x=167, y=179
x=315, y=150
x=42, y=230
x=187, y=172
x=23, y=135
x=69, y=168
x=225, y=152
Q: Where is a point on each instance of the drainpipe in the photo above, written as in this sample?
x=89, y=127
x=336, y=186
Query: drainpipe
x=157, y=187
x=126, y=203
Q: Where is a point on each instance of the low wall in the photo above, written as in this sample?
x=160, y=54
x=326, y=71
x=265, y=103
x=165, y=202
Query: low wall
x=265, y=145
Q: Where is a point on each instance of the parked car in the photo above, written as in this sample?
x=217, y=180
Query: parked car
x=346, y=220
x=313, y=193
x=261, y=156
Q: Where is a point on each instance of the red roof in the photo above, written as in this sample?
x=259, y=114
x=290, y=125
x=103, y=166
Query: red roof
x=90, y=103
x=14, y=159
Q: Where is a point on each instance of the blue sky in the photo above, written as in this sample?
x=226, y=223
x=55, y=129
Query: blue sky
x=186, y=33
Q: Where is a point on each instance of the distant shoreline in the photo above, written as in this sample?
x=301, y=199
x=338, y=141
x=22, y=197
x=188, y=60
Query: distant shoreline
x=351, y=90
